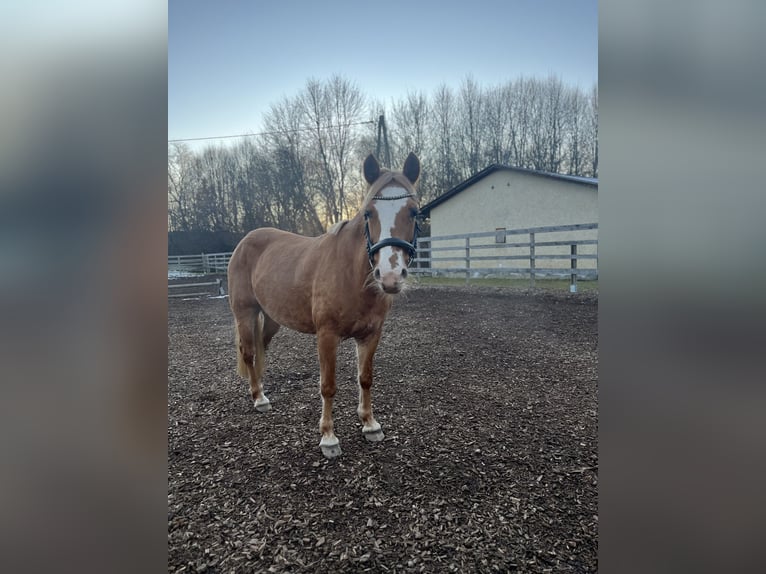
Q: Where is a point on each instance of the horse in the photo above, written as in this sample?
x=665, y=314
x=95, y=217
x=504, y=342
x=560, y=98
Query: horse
x=337, y=286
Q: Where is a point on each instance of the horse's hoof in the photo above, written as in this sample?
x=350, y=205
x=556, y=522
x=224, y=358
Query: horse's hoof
x=262, y=405
x=374, y=435
x=332, y=451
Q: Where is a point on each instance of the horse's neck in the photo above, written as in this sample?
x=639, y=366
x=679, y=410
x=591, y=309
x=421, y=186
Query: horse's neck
x=353, y=239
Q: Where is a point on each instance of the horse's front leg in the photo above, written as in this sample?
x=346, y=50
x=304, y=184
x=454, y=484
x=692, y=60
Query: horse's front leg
x=365, y=350
x=327, y=344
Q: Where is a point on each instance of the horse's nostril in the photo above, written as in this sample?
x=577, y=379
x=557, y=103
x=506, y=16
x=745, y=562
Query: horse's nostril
x=376, y=274
x=404, y=274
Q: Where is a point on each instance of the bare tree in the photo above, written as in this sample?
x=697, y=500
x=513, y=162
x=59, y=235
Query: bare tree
x=348, y=104
x=253, y=199
x=521, y=94
x=287, y=143
x=316, y=117
x=409, y=126
x=497, y=125
x=469, y=116
x=303, y=173
x=538, y=148
x=575, y=104
x=593, y=130
x=444, y=109
x=555, y=119
x=331, y=112
x=180, y=187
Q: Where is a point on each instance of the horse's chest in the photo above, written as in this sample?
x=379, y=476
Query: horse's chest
x=365, y=327
x=368, y=320
x=358, y=321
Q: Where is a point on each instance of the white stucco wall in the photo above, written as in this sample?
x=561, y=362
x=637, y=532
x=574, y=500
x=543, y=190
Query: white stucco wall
x=516, y=200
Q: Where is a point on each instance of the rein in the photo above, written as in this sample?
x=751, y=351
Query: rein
x=373, y=248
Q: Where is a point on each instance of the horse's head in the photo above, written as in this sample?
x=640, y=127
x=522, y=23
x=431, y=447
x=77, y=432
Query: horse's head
x=390, y=212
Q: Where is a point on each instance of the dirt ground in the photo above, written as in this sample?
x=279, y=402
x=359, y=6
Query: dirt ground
x=487, y=396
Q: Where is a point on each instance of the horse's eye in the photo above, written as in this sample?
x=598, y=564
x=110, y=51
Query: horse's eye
x=413, y=212
x=367, y=214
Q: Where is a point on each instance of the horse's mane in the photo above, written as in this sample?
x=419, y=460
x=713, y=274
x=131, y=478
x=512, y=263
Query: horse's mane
x=336, y=227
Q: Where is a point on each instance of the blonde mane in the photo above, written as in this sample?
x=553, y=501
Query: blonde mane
x=336, y=227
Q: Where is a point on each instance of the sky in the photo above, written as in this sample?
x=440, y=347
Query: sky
x=230, y=60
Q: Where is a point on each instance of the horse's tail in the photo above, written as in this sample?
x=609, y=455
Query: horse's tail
x=260, y=351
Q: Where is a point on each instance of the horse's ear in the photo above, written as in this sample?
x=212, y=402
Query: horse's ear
x=411, y=167
x=371, y=169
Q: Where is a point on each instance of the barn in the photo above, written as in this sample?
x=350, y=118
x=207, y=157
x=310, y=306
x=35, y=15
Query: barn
x=507, y=219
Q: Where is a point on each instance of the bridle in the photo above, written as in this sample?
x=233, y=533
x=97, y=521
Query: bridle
x=373, y=248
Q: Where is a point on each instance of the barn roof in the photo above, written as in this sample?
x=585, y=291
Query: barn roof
x=426, y=209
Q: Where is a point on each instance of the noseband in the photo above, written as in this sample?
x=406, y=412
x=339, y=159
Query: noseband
x=373, y=248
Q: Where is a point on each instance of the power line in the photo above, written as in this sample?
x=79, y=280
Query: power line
x=367, y=122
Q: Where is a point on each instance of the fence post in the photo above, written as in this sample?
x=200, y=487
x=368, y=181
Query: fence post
x=220, y=287
x=429, y=263
x=573, y=266
x=205, y=264
x=467, y=259
x=532, y=257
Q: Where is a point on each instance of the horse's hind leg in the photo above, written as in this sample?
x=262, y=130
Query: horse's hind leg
x=254, y=331
x=365, y=350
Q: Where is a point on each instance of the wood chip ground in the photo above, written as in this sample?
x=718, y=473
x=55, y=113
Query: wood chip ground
x=487, y=397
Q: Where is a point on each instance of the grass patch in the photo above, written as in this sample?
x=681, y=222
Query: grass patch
x=514, y=282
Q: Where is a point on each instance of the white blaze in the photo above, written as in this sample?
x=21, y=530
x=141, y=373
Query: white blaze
x=387, y=211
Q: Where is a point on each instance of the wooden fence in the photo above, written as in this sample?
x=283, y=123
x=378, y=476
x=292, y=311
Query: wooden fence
x=203, y=263
x=184, y=287
x=463, y=255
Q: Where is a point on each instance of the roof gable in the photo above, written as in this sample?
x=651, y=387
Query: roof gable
x=426, y=209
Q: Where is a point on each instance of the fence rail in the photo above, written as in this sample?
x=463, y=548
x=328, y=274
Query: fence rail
x=435, y=258
x=202, y=263
x=183, y=286
x=426, y=263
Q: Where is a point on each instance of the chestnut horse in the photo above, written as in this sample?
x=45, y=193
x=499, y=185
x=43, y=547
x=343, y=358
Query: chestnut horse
x=338, y=285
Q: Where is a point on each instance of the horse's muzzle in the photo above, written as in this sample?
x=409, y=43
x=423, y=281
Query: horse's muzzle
x=392, y=289
x=391, y=282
